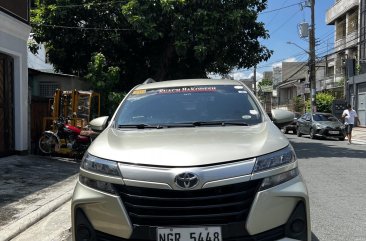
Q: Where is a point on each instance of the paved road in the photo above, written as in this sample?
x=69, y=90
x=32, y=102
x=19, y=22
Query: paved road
x=335, y=177
x=335, y=174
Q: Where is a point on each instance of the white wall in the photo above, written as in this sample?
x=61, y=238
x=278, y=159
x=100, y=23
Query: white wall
x=13, y=42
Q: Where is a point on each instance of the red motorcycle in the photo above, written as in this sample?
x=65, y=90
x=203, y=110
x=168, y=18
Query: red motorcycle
x=67, y=139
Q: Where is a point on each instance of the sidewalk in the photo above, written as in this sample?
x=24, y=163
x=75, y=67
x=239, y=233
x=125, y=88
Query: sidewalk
x=31, y=187
x=359, y=135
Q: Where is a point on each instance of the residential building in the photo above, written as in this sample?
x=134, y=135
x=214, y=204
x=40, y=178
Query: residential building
x=346, y=67
x=344, y=16
x=293, y=82
x=44, y=80
x=268, y=75
x=14, y=33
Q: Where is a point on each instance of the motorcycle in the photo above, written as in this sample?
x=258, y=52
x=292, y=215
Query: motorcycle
x=67, y=139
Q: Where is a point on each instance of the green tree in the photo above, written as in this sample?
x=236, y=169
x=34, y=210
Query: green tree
x=324, y=102
x=104, y=80
x=265, y=82
x=299, y=104
x=162, y=39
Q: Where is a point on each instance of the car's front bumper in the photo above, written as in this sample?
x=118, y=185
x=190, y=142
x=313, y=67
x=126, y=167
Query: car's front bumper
x=327, y=133
x=278, y=213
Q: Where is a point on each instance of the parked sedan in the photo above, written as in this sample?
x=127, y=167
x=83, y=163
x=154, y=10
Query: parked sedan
x=320, y=125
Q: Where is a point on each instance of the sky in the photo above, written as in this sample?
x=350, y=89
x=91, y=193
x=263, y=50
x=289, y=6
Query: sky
x=281, y=19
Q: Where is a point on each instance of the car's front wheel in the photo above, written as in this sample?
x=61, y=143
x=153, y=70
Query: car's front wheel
x=298, y=133
x=312, y=134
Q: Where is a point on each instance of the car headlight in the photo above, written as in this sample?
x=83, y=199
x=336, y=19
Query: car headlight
x=279, y=158
x=98, y=165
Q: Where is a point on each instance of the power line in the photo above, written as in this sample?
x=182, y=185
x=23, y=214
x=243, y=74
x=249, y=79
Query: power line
x=81, y=28
x=279, y=9
x=285, y=22
x=84, y=4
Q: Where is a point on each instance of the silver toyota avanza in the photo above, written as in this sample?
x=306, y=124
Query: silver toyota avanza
x=190, y=160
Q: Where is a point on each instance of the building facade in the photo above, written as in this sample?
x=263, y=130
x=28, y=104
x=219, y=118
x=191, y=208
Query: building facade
x=291, y=81
x=346, y=67
x=14, y=33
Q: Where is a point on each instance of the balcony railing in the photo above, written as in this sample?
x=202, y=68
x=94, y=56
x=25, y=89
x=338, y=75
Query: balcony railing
x=329, y=83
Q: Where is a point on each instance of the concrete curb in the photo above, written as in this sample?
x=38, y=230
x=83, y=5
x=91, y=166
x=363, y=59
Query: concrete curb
x=15, y=228
x=12, y=230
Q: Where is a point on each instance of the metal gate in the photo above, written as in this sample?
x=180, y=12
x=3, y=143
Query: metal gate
x=361, y=108
x=6, y=105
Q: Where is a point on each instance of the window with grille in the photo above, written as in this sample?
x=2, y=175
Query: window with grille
x=47, y=89
x=341, y=29
x=353, y=22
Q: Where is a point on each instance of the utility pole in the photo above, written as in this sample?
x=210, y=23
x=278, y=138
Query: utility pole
x=312, y=74
x=255, y=80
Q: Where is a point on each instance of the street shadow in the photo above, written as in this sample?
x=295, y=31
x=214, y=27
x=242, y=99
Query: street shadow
x=21, y=176
x=326, y=148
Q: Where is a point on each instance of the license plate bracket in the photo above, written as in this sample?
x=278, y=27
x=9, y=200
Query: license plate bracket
x=204, y=233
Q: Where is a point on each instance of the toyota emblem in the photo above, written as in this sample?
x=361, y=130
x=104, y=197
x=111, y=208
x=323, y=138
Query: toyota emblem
x=186, y=180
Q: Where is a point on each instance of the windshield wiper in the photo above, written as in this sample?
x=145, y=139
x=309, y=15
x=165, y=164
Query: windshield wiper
x=221, y=123
x=141, y=126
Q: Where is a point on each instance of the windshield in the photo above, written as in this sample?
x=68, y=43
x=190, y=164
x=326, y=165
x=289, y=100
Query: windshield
x=324, y=117
x=188, y=105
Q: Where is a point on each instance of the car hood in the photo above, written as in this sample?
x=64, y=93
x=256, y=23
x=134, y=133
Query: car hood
x=331, y=124
x=192, y=146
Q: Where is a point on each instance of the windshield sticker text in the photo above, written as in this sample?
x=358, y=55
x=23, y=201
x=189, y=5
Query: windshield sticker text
x=187, y=90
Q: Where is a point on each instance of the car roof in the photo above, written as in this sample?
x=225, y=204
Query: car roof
x=188, y=82
x=319, y=113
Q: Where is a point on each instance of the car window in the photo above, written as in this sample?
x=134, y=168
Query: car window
x=189, y=104
x=324, y=117
x=307, y=117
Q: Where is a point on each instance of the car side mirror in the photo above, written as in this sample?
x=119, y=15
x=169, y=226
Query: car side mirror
x=281, y=118
x=99, y=124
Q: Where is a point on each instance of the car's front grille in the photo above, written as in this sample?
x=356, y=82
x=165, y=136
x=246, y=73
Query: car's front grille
x=218, y=205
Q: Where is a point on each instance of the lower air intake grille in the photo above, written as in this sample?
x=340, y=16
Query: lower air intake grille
x=218, y=205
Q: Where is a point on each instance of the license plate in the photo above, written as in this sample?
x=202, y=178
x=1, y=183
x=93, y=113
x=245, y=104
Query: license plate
x=189, y=234
x=333, y=132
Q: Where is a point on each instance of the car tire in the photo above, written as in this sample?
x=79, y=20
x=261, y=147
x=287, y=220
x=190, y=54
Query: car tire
x=312, y=135
x=342, y=138
x=298, y=133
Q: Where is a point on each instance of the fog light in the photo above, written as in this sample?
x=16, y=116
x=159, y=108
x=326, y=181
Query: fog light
x=297, y=226
x=83, y=233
